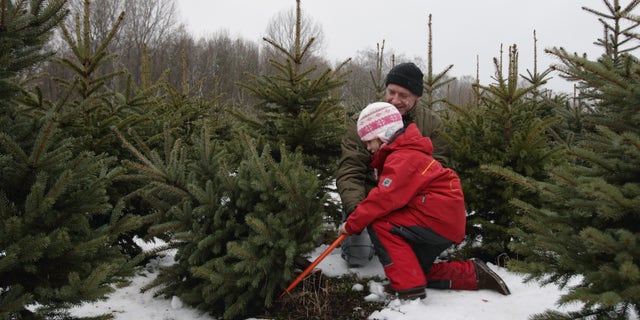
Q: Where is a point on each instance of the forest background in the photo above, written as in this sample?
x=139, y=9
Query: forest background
x=467, y=35
x=114, y=128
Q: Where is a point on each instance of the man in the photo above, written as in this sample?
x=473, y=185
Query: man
x=355, y=178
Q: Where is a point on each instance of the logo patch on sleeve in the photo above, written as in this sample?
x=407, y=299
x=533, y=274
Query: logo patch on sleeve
x=387, y=182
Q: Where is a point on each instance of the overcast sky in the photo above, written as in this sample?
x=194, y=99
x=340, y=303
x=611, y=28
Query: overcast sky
x=464, y=31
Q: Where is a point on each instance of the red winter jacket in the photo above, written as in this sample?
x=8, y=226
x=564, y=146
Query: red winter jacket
x=412, y=183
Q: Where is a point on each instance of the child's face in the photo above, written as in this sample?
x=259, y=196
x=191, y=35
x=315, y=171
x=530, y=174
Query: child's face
x=373, y=145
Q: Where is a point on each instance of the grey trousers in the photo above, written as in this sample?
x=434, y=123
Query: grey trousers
x=357, y=250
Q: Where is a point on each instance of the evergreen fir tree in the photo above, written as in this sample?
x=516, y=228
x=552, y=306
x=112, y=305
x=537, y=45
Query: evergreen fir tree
x=182, y=108
x=22, y=39
x=434, y=82
x=506, y=129
x=298, y=106
x=102, y=100
x=52, y=254
x=238, y=217
x=586, y=224
x=99, y=101
x=96, y=103
x=92, y=101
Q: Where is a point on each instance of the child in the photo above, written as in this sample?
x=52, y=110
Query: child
x=415, y=212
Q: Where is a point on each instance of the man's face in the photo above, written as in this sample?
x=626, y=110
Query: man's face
x=401, y=98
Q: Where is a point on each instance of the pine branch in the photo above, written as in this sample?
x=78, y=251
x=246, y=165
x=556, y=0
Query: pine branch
x=176, y=190
x=147, y=172
x=134, y=150
x=254, y=156
x=258, y=226
x=13, y=148
x=509, y=175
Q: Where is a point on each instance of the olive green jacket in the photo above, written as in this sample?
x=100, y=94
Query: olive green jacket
x=354, y=177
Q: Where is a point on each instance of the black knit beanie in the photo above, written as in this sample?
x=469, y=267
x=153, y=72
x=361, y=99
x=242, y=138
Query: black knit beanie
x=406, y=75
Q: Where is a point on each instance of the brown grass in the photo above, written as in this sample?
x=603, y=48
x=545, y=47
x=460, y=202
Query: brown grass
x=323, y=298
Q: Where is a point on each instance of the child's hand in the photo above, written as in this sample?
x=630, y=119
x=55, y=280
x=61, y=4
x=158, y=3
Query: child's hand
x=342, y=229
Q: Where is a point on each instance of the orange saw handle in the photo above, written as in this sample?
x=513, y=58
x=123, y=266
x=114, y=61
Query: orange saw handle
x=313, y=265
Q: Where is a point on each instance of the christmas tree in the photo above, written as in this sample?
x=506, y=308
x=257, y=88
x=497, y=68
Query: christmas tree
x=300, y=108
x=103, y=96
x=507, y=128
x=586, y=225
x=53, y=253
x=22, y=47
x=238, y=217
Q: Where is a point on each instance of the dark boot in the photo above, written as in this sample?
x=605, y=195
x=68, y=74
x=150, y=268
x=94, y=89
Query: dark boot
x=487, y=279
x=439, y=284
x=409, y=294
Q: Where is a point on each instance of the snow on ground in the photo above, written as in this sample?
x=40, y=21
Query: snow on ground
x=129, y=303
x=525, y=299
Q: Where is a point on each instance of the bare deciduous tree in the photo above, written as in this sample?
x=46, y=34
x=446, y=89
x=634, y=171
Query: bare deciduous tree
x=150, y=20
x=146, y=22
x=282, y=30
x=147, y=26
